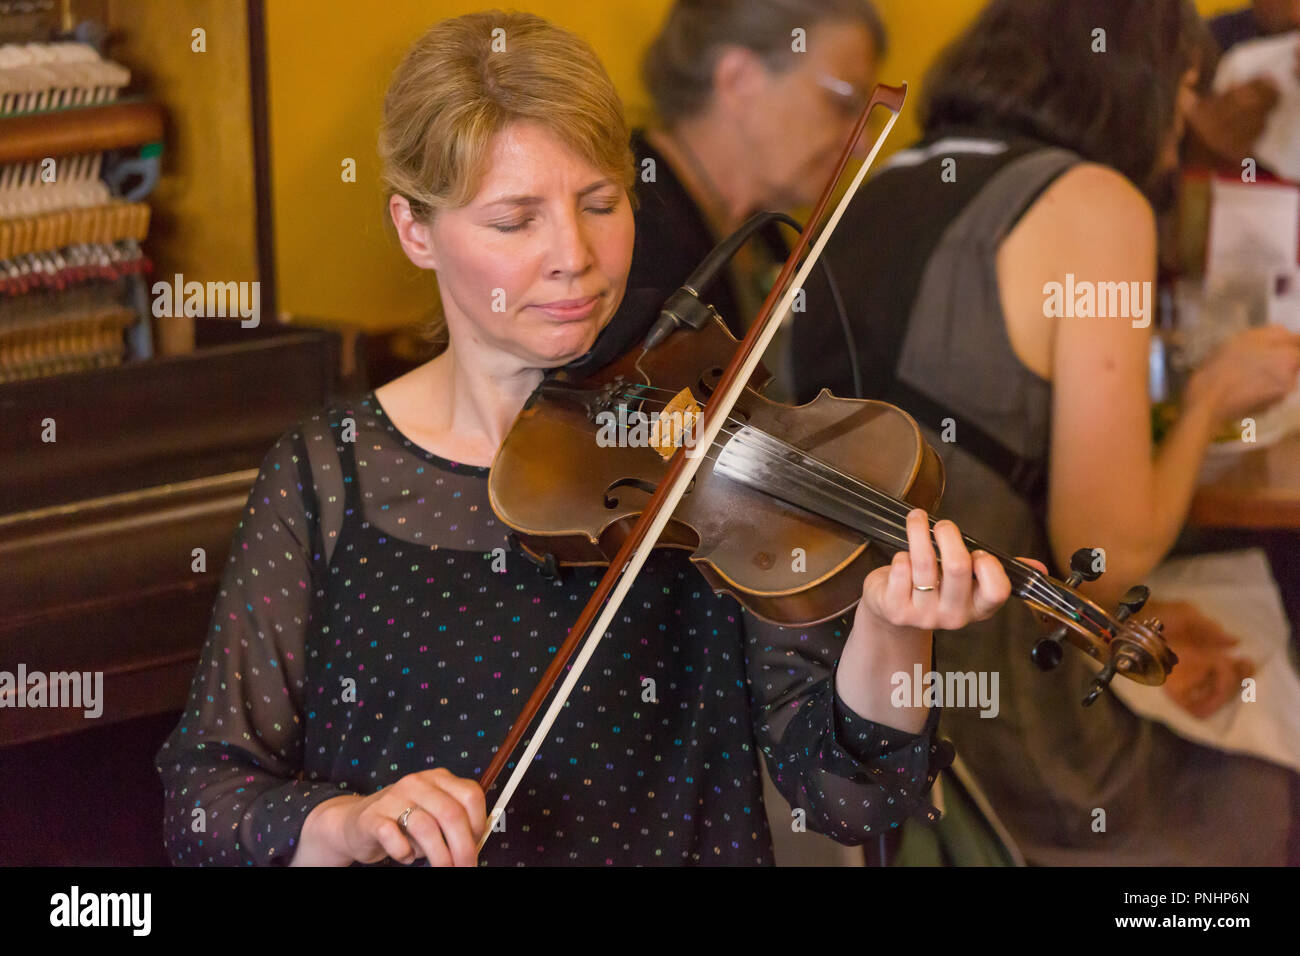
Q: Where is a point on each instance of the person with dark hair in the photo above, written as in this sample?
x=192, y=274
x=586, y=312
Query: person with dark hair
x=1050, y=135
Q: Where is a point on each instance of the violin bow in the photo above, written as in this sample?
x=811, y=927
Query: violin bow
x=636, y=548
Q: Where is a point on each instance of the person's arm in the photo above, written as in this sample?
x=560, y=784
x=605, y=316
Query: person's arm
x=1227, y=125
x=843, y=740
x=852, y=777
x=1108, y=488
x=231, y=770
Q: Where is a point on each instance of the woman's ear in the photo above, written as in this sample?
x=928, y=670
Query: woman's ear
x=415, y=236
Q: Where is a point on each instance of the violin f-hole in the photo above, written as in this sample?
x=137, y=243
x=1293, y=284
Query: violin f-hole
x=612, y=502
x=708, y=379
x=706, y=383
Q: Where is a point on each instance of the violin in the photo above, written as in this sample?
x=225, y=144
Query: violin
x=789, y=511
x=785, y=507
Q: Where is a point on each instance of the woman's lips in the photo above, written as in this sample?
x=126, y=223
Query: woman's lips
x=570, y=310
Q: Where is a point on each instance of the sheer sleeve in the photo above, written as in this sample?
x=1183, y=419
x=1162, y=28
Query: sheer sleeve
x=232, y=769
x=852, y=777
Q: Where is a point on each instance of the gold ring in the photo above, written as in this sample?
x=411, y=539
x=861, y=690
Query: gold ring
x=405, y=815
x=928, y=587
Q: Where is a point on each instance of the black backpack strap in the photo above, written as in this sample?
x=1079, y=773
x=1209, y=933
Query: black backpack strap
x=1026, y=476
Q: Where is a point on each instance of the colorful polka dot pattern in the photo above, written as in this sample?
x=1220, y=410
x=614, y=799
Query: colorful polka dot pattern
x=366, y=629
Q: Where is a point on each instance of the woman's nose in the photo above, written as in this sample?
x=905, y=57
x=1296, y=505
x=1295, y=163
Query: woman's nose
x=570, y=248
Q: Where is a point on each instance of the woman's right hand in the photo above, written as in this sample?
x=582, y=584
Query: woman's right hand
x=448, y=817
x=1251, y=371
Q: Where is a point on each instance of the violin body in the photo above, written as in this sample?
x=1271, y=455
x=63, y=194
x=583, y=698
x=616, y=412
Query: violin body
x=571, y=496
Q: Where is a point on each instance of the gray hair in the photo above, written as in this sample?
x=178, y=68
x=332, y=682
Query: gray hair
x=678, y=67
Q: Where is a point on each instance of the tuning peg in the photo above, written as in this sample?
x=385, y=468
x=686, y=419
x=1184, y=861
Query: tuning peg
x=1047, y=653
x=1081, y=567
x=1100, y=683
x=1132, y=601
x=1122, y=657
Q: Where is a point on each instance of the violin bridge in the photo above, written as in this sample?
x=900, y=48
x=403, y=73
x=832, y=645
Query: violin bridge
x=675, y=424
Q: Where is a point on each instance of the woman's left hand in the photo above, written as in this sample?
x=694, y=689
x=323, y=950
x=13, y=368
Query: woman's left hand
x=911, y=593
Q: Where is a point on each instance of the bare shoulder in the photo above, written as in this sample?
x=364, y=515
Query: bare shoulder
x=1092, y=223
x=1090, y=199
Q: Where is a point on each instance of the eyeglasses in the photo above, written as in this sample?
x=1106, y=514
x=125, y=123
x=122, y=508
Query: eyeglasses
x=847, y=96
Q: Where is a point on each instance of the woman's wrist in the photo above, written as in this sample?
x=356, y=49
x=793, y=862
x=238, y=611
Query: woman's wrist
x=1201, y=417
x=1204, y=394
x=875, y=652
x=321, y=841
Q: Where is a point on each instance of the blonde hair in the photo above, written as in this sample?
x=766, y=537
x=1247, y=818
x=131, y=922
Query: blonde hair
x=467, y=79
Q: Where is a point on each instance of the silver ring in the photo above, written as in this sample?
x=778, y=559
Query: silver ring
x=929, y=587
x=405, y=815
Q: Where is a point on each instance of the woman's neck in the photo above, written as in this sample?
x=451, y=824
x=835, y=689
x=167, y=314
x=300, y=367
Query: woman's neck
x=473, y=397
x=711, y=164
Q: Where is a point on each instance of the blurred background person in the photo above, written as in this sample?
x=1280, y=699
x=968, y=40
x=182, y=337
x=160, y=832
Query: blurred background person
x=1261, y=19
x=1225, y=126
x=753, y=101
x=1043, y=156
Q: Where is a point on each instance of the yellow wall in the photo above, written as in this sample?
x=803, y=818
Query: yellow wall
x=329, y=63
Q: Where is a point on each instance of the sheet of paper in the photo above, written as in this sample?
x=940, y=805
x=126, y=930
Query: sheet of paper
x=1279, y=147
x=1254, y=228
x=1236, y=590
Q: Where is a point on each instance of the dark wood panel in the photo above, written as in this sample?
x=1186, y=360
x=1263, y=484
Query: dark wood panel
x=139, y=689
x=97, y=532
x=86, y=799
x=215, y=410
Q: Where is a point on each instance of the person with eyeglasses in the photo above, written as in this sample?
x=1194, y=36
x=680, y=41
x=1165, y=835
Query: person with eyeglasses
x=753, y=101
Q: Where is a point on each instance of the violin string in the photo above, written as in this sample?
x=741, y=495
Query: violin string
x=1025, y=578
x=886, y=532
x=1030, y=580
x=894, y=506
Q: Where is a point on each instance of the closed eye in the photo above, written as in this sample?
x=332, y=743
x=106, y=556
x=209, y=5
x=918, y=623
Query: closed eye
x=511, y=226
x=517, y=226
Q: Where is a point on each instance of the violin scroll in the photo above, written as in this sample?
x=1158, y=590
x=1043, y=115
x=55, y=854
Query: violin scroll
x=1136, y=650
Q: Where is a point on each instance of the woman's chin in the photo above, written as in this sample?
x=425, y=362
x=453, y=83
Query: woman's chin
x=565, y=342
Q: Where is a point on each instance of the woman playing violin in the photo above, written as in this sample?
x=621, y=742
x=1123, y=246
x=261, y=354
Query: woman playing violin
x=374, y=637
